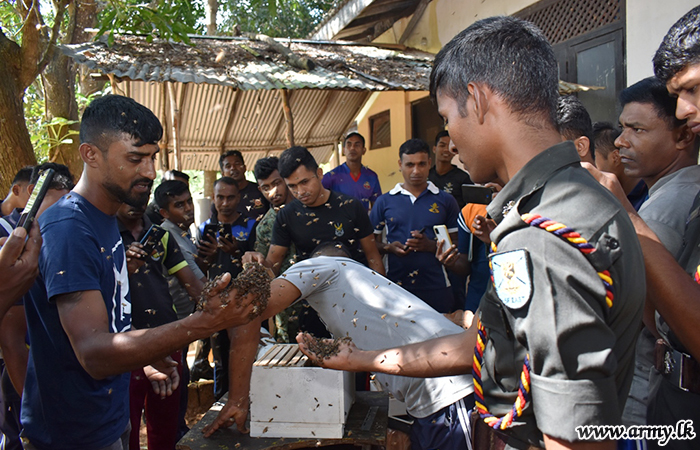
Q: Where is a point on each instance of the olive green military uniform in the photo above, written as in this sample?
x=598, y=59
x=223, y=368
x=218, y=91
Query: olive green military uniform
x=547, y=299
x=287, y=321
x=673, y=398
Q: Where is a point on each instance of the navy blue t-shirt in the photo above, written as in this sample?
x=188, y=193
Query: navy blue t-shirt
x=63, y=407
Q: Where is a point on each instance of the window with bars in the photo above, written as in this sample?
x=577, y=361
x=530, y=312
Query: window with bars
x=587, y=37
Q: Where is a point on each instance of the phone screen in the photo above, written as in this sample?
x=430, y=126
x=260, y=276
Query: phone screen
x=34, y=202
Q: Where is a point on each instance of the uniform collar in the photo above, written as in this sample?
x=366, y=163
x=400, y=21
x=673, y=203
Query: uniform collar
x=531, y=177
x=398, y=189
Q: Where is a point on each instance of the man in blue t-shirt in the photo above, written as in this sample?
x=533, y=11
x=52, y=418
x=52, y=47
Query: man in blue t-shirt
x=352, y=178
x=409, y=211
x=79, y=310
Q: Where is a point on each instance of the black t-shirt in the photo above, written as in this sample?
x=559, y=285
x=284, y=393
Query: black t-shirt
x=451, y=182
x=253, y=204
x=341, y=218
x=151, y=302
x=225, y=262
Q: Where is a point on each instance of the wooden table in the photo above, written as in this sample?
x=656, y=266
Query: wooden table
x=366, y=426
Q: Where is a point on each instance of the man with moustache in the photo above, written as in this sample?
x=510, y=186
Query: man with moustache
x=554, y=344
x=152, y=305
x=352, y=178
x=79, y=309
x=253, y=204
x=408, y=212
x=273, y=187
x=662, y=151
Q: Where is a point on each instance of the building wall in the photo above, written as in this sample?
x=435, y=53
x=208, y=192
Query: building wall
x=647, y=24
x=384, y=161
x=443, y=19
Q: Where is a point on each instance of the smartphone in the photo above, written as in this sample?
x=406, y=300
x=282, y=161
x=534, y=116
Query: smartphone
x=442, y=235
x=151, y=239
x=210, y=230
x=481, y=195
x=40, y=188
x=225, y=231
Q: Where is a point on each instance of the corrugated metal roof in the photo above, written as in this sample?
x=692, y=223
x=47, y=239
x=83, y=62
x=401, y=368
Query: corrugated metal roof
x=250, y=65
x=229, y=99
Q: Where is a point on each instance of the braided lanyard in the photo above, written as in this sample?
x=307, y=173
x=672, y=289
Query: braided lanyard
x=523, y=397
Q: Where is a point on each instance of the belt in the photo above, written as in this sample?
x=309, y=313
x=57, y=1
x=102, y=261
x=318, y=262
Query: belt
x=677, y=367
x=486, y=438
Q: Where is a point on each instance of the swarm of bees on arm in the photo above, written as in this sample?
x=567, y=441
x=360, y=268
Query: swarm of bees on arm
x=254, y=279
x=325, y=348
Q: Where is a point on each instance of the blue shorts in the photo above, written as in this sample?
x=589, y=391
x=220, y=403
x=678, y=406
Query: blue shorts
x=447, y=429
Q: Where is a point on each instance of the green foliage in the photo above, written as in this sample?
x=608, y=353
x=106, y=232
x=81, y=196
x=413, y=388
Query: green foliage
x=275, y=18
x=164, y=19
x=41, y=130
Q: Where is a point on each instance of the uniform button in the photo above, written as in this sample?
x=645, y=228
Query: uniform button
x=613, y=244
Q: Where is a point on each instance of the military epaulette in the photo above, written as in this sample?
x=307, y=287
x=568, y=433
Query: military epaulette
x=523, y=396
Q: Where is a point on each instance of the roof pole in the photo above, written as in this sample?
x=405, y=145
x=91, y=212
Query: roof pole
x=288, y=118
x=175, y=114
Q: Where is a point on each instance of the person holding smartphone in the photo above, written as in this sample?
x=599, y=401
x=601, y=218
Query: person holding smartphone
x=223, y=241
x=79, y=310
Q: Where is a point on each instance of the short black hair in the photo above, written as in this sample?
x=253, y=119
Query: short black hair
x=604, y=135
x=62, y=178
x=510, y=56
x=680, y=47
x=574, y=121
x=172, y=174
x=264, y=167
x=653, y=91
x=226, y=180
x=331, y=248
x=354, y=133
x=225, y=155
x=167, y=190
x=293, y=157
x=440, y=135
x=108, y=117
x=413, y=146
x=23, y=175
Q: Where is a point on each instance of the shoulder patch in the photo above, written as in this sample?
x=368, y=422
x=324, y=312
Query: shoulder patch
x=511, y=274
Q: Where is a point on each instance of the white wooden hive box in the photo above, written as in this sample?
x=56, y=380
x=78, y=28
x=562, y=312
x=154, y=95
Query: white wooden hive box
x=290, y=399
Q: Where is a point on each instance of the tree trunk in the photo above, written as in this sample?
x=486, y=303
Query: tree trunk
x=15, y=145
x=59, y=83
x=212, y=7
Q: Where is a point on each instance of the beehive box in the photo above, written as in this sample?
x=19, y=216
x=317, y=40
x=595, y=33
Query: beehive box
x=291, y=399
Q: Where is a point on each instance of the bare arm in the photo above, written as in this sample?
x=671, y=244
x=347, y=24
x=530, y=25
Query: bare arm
x=13, y=333
x=244, y=339
x=447, y=355
x=275, y=256
x=190, y=282
x=19, y=265
x=396, y=247
x=374, y=259
x=101, y=353
x=242, y=351
x=673, y=293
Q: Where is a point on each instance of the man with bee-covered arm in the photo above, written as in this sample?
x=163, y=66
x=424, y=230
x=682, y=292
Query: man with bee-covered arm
x=353, y=300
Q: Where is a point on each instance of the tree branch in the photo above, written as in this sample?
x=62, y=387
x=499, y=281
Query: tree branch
x=60, y=6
